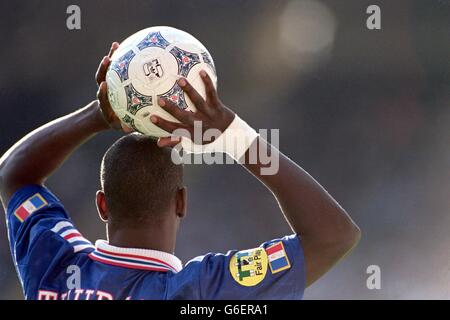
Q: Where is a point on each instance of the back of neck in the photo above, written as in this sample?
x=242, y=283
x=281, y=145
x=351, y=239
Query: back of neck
x=154, y=237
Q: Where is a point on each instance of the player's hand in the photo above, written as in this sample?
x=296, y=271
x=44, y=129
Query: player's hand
x=211, y=112
x=102, y=93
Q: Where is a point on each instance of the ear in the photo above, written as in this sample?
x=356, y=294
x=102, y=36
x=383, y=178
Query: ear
x=181, y=202
x=102, y=209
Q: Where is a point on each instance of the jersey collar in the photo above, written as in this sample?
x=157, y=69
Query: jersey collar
x=143, y=259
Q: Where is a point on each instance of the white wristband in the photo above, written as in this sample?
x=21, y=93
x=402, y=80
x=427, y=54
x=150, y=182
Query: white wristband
x=234, y=141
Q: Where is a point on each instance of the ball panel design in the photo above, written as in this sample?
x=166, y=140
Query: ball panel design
x=121, y=65
x=185, y=59
x=146, y=66
x=153, y=70
x=136, y=100
x=153, y=39
x=209, y=61
x=176, y=95
x=129, y=121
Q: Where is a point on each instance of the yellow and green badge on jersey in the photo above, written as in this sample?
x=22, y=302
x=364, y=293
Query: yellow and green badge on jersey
x=249, y=267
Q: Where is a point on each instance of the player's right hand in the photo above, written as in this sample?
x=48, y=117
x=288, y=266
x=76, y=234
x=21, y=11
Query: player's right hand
x=102, y=93
x=212, y=113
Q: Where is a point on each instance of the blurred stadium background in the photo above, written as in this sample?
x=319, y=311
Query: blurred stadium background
x=365, y=112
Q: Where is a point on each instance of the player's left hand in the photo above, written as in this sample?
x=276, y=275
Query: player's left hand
x=102, y=93
x=211, y=112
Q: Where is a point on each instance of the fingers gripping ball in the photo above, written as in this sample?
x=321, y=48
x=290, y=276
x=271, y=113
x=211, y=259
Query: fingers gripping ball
x=146, y=66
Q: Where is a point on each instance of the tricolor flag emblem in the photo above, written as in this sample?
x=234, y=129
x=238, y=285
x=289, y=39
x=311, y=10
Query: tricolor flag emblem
x=33, y=204
x=278, y=260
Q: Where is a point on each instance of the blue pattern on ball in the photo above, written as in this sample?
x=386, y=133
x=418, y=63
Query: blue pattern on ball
x=185, y=59
x=121, y=65
x=136, y=100
x=176, y=95
x=154, y=39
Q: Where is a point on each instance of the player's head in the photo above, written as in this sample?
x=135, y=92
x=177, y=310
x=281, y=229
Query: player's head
x=140, y=183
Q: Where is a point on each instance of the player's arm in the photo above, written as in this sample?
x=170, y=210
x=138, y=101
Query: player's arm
x=327, y=232
x=36, y=156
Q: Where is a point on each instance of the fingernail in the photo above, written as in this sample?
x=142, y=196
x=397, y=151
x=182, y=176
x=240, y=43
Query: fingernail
x=203, y=73
x=153, y=119
x=161, y=102
x=182, y=82
x=105, y=59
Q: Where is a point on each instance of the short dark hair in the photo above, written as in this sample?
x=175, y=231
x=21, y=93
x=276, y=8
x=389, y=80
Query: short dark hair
x=139, y=180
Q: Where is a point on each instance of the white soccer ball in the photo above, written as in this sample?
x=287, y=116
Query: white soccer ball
x=146, y=66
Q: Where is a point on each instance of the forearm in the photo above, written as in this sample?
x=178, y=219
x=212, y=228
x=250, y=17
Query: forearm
x=326, y=230
x=308, y=207
x=41, y=152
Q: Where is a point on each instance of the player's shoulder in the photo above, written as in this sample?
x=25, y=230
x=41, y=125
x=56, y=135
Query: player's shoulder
x=205, y=258
x=278, y=247
x=273, y=269
x=34, y=212
x=41, y=234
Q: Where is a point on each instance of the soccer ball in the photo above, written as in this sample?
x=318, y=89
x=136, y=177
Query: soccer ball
x=146, y=66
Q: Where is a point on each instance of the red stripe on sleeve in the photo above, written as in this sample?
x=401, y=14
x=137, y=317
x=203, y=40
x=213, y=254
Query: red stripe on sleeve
x=71, y=235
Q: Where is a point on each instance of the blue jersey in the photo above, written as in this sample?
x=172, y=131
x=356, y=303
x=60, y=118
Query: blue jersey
x=54, y=261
